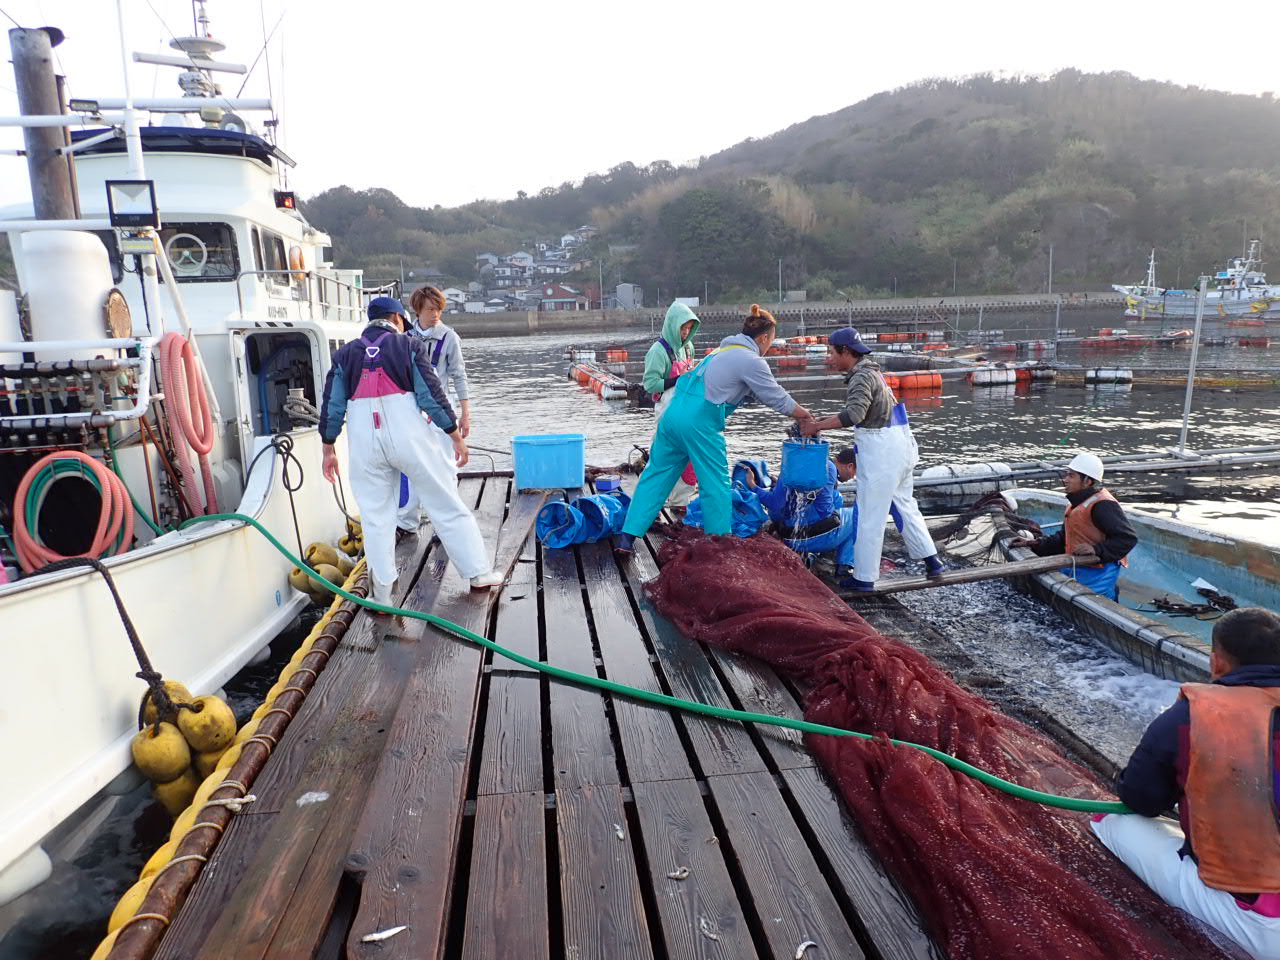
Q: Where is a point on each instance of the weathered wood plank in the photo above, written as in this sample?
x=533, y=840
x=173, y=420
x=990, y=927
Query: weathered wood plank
x=581, y=745
x=949, y=578
x=721, y=746
x=650, y=741
x=517, y=528
x=405, y=846
x=678, y=834
x=508, y=895
x=788, y=891
x=887, y=915
x=603, y=913
x=511, y=756
x=347, y=672
x=758, y=688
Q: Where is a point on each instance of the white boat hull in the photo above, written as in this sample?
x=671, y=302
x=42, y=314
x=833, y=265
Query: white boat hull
x=1259, y=305
x=204, y=602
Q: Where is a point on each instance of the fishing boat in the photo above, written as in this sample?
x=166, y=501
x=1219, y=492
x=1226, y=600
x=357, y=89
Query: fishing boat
x=175, y=320
x=1179, y=579
x=1241, y=290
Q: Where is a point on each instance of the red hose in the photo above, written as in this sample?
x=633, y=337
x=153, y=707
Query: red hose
x=116, y=512
x=184, y=390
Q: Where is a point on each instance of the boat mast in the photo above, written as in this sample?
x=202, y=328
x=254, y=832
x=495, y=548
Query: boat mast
x=1191, y=371
x=1151, y=272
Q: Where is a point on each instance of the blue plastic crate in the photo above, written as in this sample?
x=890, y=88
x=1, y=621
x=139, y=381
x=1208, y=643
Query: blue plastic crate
x=548, y=460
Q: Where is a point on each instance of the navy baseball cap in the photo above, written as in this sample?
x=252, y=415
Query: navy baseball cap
x=380, y=307
x=848, y=337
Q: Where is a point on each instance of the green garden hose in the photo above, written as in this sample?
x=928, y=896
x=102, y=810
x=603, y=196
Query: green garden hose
x=675, y=703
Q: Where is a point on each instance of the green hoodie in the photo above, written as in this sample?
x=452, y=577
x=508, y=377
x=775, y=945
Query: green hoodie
x=657, y=362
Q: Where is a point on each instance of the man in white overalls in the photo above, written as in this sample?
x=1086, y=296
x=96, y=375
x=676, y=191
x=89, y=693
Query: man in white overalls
x=380, y=384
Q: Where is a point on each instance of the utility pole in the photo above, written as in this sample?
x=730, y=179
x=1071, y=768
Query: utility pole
x=600, y=267
x=1051, y=269
x=779, y=281
x=895, y=287
x=953, y=276
x=51, y=194
x=706, y=296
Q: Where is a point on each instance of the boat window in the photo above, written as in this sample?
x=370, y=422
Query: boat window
x=200, y=251
x=257, y=250
x=112, y=243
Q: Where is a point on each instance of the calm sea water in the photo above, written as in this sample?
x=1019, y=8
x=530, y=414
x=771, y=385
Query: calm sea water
x=520, y=386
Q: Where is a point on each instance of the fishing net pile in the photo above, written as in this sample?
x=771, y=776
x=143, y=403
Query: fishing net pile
x=996, y=878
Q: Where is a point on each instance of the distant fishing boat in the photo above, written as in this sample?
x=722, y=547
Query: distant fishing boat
x=1241, y=290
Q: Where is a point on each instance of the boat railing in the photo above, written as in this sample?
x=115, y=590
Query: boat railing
x=63, y=368
x=312, y=298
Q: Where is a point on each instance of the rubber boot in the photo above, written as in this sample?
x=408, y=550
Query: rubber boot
x=934, y=566
x=853, y=583
x=624, y=545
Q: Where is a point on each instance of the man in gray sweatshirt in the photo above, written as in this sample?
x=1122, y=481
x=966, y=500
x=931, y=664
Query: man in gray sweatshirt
x=692, y=429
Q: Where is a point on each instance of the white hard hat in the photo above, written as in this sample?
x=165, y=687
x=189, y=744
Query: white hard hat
x=1087, y=464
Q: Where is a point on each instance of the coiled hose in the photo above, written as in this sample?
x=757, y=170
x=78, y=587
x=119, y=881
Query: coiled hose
x=115, y=519
x=185, y=393
x=689, y=706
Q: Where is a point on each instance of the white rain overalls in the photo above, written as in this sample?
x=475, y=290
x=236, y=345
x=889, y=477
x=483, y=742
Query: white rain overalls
x=887, y=459
x=387, y=436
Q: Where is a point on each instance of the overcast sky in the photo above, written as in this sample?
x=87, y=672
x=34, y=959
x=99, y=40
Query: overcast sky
x=447, y=102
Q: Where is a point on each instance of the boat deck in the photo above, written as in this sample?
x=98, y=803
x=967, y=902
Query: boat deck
x=494, y=813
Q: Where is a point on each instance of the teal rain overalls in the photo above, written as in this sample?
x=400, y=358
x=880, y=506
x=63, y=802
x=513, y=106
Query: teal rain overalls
x=690, y=431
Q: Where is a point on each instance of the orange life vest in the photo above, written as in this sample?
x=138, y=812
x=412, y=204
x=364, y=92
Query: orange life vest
x=1079, y=528
x=1230, y=786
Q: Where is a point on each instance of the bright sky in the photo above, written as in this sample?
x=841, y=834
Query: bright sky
x=447, y=102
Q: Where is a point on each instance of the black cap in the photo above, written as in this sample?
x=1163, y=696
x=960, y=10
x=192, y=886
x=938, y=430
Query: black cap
x=847, y=455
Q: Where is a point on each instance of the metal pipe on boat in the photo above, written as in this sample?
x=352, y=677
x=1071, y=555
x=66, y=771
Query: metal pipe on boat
x=183, y=104
x=24, y=226
x=93, y=419
x=1191, y=370
x=36, y=121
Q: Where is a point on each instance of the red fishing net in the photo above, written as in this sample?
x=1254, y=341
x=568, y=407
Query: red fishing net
x=996, y=878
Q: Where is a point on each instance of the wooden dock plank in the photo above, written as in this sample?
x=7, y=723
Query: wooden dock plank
x=508, y=887
x=348, y=671
x=511, y=756
x=721, y=746
x=603, y=913
x=678, y=834
x=581, y=745
x=650, y=739
x=405, y=845
x=790, y=894
x=888, y=917
x=758, y=689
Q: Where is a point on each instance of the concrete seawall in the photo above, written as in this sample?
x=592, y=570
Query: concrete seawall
x=819, y=315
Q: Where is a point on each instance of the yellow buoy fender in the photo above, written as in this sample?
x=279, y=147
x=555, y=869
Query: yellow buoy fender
x=176, y=794
x=175, y=690
x=129, y=904
x=228, y=759
x=211, y=726
x=162, y=757
x=105, y=946
x=205, y=763
x=319, y=553
x=330, y=573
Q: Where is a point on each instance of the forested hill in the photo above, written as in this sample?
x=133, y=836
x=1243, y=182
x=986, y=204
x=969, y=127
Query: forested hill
x=975, y=176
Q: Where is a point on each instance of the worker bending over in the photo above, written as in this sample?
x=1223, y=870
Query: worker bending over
x=1094, y=529
x=887, y=457
x=692, y=428
x=1215, y=754
x=381, y=384
x=669, y=358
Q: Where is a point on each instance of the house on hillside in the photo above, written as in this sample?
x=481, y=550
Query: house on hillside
x=511, y=274
x=556, y=297
x=486, y=260
x=520, y=259
x=629, y=296
x=454, y=298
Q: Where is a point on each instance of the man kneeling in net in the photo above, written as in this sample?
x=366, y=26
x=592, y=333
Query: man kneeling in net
x=1215, y=754
x=813, y=522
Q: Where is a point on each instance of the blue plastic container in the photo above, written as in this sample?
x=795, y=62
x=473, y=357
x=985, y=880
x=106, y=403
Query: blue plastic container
x=602, y=515
x=547, y=460
x=804, y=464
x=608, y=483
x=559, y=525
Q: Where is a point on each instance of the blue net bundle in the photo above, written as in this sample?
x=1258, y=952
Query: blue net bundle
x=994, y=877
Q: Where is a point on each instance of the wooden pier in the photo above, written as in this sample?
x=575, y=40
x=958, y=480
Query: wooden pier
x=491, y=812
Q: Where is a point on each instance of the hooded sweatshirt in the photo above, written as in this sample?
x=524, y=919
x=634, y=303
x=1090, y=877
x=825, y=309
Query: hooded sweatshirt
x=658, y=361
